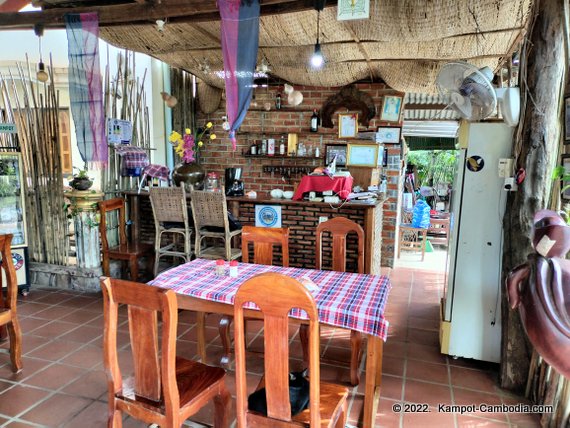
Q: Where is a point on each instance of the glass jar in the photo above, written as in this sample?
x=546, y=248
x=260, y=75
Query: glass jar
x=212, y=182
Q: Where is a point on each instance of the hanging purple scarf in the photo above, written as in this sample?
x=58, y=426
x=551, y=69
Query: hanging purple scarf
x=85, y=90
x=240, y=39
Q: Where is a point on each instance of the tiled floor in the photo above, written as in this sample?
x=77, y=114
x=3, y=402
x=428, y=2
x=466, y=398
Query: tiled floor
x=63, y=384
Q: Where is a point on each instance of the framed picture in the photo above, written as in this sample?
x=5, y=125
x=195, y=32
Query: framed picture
x=388, y=135
x=335, y=149
x=566, y=165
x=567, y=120
x=391, y=108
x=347, y=125
x=362, y=155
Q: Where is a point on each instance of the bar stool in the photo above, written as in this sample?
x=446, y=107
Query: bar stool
x=170, y=217
x=210, y=213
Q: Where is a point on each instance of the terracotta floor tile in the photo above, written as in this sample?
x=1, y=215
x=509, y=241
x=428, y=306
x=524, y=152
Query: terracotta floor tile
x=53, y=313
x=91, y=385
x=83, y=334
x=19, y=398
x=385, y=416
x=54, y=376
x=395, y=348
x=93, y=416
x=425, y=371
x=428, y=353
x=393, y=365
x=467, y=397
x=423, y=337
x=54, y=329
x=55, y=350
x=31, y=308
x=21, y=425
x=87, y=357
x=31, y=366
x=471, y=421
x=31, y=342
x=428, y=420
x=474, y=379
x=429, y=393
x=29, y=324
x=66, y=405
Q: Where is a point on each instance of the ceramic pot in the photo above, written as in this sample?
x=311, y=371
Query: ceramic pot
x=81, y=183
x=189, y=174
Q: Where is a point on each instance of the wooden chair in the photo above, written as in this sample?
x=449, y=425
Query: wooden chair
x=340, y=227
x=412, y=239
x=438, y=231
x=170, y=217
x=124, y=250
x=263, y=240
x=210, y=213
x=165, y=389
x=8, y=313
x=275, y=294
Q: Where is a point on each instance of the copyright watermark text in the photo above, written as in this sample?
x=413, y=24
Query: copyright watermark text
x=471, y=408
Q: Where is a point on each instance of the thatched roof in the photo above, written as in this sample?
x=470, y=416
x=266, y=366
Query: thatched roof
x=404, y=42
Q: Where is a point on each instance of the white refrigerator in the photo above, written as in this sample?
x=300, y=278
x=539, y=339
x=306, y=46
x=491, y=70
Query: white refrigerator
x=470, y=314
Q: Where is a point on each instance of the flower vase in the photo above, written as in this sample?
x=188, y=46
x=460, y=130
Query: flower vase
x=191, y=174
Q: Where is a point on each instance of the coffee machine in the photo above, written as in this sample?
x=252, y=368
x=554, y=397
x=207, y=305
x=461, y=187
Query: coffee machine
x=233, y=183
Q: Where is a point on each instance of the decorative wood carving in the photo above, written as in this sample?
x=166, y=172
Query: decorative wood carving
x=351, y=98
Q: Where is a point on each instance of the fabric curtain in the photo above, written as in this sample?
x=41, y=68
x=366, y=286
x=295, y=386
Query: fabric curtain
x=240, y=40
x=85, y=88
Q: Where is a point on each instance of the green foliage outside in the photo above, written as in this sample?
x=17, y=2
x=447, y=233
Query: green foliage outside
x=8, y=185
x=434, y=166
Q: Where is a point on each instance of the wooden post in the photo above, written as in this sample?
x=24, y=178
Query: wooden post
x=84, y=209
x=543, y=59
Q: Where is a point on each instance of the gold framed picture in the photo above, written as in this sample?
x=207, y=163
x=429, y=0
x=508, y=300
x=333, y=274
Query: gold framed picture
x=347, y=125
x=362, y=155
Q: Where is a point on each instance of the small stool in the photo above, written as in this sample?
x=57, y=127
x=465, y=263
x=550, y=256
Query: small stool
x=412, y=239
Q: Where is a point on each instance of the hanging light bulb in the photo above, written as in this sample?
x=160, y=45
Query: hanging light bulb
x=317, y=59
x=41, y=74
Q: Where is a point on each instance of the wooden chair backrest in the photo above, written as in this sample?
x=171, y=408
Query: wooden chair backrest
x=169, y=204
x=339, y=227
x=155, y=375
x=209, y=209
x=276, y=294
x=9, y=274
x=106, y=207
x=263, y=239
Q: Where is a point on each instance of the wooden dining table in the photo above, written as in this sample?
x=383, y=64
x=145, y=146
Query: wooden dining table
x=344, y=300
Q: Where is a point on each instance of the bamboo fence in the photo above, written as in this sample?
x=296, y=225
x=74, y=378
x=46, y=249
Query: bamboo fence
x=34, y=108
x=125, y=99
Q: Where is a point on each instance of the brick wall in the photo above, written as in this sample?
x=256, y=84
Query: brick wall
x=258, y=124
x=302, y=221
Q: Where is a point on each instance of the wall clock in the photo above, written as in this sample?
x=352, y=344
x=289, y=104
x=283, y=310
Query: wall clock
x=353, y=9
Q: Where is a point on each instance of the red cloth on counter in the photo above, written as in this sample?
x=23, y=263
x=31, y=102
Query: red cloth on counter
x=341, y=186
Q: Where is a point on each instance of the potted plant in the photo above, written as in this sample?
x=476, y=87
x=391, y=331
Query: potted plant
x=80, y=180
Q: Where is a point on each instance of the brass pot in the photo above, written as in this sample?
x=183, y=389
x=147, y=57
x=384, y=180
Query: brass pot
x=189, y=174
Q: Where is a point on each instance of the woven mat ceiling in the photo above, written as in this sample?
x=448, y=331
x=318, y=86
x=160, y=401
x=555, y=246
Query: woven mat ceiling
x=403, y=43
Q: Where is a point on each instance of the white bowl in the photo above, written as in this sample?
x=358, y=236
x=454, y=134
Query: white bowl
x=288, y=194
x=276, y=193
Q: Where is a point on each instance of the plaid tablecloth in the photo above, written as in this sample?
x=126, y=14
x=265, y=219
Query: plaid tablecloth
x=158, y=171
x=348, y=300
x=133, y=157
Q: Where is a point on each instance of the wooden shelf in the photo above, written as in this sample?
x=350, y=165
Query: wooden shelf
x=247, y=155
x=281, y=110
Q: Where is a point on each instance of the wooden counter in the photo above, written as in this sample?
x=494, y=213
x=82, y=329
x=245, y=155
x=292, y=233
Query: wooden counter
x=302, y=218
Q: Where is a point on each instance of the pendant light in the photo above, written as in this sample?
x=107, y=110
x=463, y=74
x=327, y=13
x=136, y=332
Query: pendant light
x=41, y=74
x=317, y=59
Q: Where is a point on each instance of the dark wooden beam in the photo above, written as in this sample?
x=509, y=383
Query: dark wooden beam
x=144, y=13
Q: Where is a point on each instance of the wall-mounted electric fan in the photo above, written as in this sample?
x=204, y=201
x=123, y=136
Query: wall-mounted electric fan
x=472, y=95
